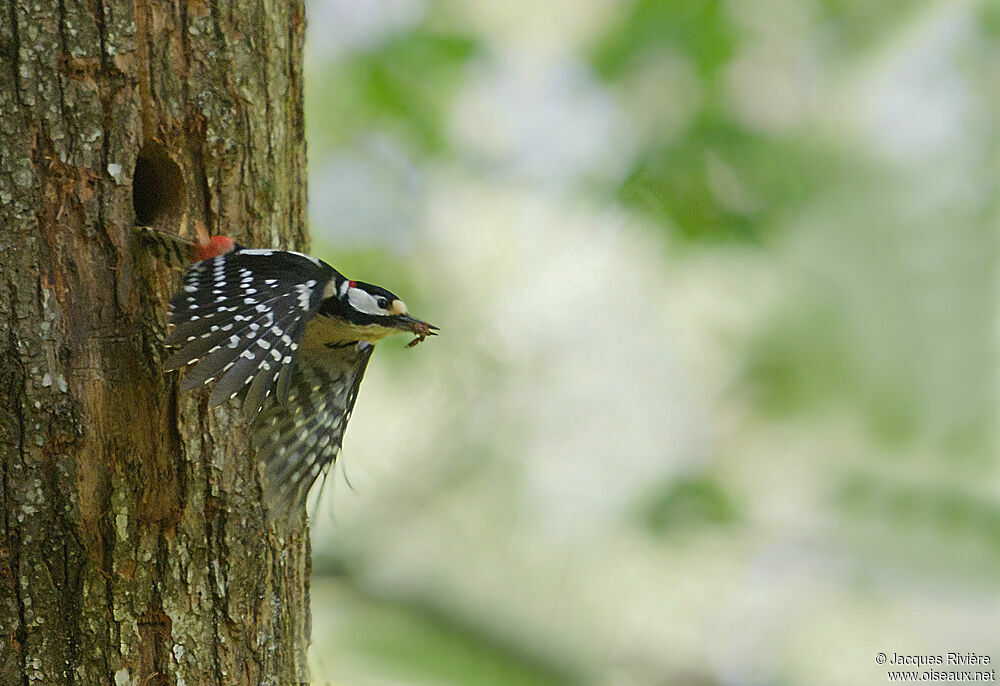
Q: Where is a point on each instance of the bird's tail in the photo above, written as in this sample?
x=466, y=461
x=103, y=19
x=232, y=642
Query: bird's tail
x=169, y=248
x=180, y=252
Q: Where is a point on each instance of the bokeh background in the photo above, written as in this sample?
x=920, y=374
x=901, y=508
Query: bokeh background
x=715, y=395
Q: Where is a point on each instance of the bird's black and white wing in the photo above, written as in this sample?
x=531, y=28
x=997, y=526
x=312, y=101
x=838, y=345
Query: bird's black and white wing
x=241, y=316
x=299, y=439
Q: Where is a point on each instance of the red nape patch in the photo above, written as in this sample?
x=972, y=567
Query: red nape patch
x=352, y=284
x=215, y=246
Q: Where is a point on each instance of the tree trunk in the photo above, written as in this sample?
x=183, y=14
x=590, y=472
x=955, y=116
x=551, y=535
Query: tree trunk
x=134, y=548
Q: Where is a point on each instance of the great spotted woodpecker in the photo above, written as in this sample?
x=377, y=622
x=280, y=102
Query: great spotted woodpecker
x=288, y=332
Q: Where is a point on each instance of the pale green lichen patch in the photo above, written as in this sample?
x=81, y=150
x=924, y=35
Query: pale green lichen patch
x=121, y=525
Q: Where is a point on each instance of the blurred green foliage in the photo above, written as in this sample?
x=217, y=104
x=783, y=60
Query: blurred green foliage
x=420, y=645
x=687, y=504
x=931, y=524
x=854, y=26
x=673, y=184
x=852, y=402
x=402, y=86
x=800, y=361
x=699, y=29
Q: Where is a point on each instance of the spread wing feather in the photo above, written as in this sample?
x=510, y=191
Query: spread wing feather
x=298, y=440
x=241, y=316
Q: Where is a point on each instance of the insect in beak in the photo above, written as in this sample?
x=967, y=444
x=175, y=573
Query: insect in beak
x=420, y=328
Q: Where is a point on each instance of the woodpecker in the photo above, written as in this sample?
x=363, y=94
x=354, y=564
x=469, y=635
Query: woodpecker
x=288, y=333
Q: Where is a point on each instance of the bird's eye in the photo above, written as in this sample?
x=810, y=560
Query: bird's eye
x=381, y=302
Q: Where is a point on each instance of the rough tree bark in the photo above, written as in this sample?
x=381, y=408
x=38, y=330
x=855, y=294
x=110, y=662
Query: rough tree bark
x=133, y=548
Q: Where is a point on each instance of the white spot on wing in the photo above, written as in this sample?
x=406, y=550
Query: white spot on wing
x=308, y=257
x=305, y=293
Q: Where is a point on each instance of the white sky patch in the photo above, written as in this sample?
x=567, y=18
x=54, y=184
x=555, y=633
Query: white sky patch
x=547, y=123
x=341, y=26
x=915, y=101
x=374, y=190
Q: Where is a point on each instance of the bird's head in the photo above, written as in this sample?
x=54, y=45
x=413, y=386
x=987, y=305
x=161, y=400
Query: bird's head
x=371, y=312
